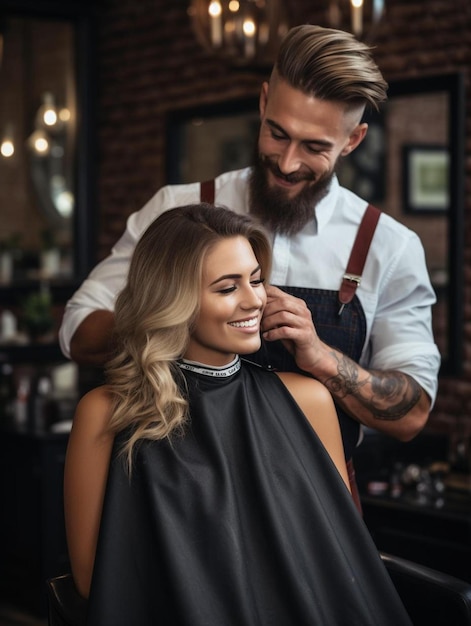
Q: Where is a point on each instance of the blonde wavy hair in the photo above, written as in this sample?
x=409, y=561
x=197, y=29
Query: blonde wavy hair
x=330, y=65
x=155, y=313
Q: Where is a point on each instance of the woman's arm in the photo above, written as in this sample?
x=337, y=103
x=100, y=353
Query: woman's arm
x=86, y=471
x=316, y=403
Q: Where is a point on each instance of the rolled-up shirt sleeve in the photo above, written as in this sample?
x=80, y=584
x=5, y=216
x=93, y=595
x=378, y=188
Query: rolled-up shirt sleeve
x=100, y=289
x=401, y=336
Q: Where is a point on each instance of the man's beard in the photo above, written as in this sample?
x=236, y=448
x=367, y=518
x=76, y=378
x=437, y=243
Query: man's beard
x=274, y=209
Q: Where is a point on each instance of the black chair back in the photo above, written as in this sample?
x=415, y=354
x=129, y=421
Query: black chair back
x=431, y=598
x=66, y=607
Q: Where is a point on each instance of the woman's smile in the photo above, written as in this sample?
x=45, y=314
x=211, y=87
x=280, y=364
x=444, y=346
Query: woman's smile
x=250, y=324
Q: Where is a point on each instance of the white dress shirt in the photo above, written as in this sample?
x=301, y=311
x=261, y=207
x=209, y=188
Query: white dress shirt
x=395, y=290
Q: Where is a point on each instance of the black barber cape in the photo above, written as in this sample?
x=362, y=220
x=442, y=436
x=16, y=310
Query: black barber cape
x=243, y=521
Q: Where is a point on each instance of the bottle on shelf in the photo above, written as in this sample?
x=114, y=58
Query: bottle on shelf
x=42, y=407
x=7, y=395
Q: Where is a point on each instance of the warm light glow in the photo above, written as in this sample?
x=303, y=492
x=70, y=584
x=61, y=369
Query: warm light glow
x=229, y=27
x=357, y=17
x=64, y=115
x=242, y=32
x=63, y=198
x=249, y=28
x=47, y=111
x=39, y=142
x=7, y=148
x=41, y=145
x=65, y=203
x=215, y=9
x=50, y=117
x=215, y=13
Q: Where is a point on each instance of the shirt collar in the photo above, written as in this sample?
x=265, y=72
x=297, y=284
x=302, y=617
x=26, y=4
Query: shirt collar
x=325, y=208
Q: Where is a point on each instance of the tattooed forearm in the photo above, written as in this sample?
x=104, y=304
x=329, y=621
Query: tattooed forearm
x=388, y=395
x=397, y=392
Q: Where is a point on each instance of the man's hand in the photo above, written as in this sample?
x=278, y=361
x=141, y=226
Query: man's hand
x=288, y=319
x=387, y=400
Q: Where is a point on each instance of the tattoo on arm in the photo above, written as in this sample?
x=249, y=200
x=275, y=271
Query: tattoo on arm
x=388, y=395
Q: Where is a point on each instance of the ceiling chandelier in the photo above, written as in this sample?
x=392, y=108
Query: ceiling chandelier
x=245, y=32
x=364, y=15
x=249, y=32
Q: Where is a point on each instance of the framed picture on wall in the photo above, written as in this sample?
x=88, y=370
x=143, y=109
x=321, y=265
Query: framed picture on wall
x=426, y=175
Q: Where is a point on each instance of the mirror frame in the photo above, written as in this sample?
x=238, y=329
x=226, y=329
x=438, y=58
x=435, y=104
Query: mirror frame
x=454, y=85
x=82, y=17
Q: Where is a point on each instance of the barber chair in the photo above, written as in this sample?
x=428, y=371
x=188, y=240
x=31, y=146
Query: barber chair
x=66, y=607
x=430, y=597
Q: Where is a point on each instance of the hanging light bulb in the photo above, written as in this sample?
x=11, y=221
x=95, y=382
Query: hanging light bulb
x=244, y=32
x=249, y=29
x=364, y=16
x=49, y=122
x=215, y=20
x=48, y=112
x=64, y=115
x=47, y=115
x=7, y=147
x=39, y=142
x=357, y=17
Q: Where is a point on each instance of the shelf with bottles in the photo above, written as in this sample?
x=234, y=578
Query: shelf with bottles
x=37, y=398
x=48, y=259
x=30, y=316
x=31, y=353
x=14, y=292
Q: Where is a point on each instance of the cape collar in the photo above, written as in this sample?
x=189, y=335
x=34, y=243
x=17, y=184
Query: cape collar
x=208, y=370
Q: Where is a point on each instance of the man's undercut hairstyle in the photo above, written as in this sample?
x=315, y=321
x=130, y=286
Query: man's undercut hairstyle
x=330, y=65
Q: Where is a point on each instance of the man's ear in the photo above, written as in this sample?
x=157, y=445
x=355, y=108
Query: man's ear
x=262, y=103
x=355, y=138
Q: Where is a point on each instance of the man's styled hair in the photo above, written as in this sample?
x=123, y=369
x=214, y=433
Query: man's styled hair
x=156, y=310
x=330, y=65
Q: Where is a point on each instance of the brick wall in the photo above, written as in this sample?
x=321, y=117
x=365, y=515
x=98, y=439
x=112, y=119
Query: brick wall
x=150, y=63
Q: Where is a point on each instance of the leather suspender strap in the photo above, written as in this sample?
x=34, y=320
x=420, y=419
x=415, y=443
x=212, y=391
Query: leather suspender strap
x=352, y=277
x=207, y=191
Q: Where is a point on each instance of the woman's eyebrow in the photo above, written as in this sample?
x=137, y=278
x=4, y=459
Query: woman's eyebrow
x=233, y=276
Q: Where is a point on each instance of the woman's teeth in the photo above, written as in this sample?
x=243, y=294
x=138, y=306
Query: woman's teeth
x=245, y=324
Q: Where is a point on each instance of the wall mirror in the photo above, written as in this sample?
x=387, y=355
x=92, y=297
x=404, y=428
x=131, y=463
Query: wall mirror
x=205, y=141
x=411, y=165
x=45, y=189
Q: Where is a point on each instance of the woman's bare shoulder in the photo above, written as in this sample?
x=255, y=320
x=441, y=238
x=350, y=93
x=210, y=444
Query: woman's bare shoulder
x=305, y=389
x=94, y=409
